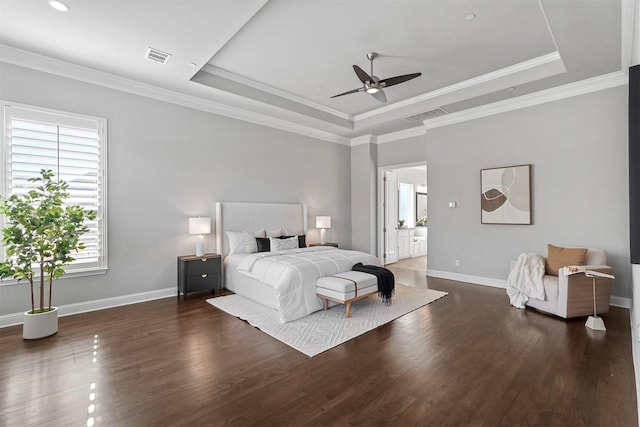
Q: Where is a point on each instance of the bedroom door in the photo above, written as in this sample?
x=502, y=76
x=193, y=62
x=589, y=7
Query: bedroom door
x=390, y=210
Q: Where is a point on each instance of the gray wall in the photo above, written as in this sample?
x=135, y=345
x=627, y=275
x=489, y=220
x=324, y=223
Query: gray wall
x=410, y=150
x=166, y=163
x=578, y=151
x=363, y=197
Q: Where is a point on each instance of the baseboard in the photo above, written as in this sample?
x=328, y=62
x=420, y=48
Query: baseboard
x=614, y=301
x=94, y=305
x=476, y=280
x=620, y=302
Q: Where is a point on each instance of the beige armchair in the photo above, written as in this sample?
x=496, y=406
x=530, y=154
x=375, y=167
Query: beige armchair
x=572, y=295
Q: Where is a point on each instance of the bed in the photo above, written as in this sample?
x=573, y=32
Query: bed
x=283, y=279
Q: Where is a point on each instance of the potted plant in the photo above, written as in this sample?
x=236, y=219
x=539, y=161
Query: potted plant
x=40, y=235
x=422, y=221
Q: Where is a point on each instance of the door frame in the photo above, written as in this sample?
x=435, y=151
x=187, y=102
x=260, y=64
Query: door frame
x=380, y=222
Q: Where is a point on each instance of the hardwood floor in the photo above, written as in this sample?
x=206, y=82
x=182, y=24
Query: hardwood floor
x=468, y=359
x=415, y=263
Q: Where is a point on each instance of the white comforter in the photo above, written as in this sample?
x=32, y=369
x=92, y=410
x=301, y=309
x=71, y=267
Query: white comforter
x=293, y=274
x=525, y=280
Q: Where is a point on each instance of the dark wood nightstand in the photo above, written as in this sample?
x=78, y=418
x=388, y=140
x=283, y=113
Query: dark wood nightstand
x=335, y=245
x=199, y=273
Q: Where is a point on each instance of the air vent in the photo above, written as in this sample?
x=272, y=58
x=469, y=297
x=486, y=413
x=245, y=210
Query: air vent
x=420, y=117
x=158, y=56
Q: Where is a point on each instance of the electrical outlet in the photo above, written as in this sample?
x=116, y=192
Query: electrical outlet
x=457, y=263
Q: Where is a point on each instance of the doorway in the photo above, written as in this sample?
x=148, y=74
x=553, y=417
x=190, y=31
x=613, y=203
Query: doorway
x=402, y=214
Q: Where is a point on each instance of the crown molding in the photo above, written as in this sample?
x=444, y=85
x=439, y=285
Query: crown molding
x=582, y=87
x=364, y=139
x=402, y=134
x=57, y=67
x=551, y=58
x=49, y=65
x=274, y=91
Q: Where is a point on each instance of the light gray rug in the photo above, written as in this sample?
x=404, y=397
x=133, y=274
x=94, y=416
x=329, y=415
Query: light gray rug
x=323, y=330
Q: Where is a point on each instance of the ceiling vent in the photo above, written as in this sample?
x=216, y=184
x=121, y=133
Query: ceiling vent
x=158, y=56
x=420, y=117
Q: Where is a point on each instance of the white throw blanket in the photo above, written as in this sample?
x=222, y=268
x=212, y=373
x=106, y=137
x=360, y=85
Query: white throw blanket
x=525, y=280
x=293, y=274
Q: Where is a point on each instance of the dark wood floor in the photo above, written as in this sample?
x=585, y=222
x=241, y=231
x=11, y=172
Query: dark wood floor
x=468, y=359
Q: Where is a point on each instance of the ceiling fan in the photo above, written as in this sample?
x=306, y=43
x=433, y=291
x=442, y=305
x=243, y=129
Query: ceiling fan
x=372, y=84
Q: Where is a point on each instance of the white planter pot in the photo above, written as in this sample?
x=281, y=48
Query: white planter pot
x=40, y=325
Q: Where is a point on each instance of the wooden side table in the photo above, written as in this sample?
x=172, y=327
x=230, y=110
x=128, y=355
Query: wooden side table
x=199, y=273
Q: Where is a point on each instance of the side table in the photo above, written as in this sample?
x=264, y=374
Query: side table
x=199, y=273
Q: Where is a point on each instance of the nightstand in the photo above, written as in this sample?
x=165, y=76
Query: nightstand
x=199, y=273
x=335, y=245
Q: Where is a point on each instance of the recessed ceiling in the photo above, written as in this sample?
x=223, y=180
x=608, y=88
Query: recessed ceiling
x=282, y=60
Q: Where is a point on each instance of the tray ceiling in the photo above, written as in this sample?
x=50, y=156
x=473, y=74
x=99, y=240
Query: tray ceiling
x=281, y=60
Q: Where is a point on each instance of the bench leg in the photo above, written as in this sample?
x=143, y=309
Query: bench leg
x=348, y=313
x=325, y=303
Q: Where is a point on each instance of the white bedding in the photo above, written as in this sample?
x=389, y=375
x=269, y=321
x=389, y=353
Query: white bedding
x=293, y=273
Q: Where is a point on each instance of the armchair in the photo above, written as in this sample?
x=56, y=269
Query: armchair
x=572, y=295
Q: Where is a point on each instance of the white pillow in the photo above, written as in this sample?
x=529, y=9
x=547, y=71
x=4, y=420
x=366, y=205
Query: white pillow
x=250, y=245
x=283, y=244
x=261, y=233
x=288, y=232
x=236, y=242
x=274, y=233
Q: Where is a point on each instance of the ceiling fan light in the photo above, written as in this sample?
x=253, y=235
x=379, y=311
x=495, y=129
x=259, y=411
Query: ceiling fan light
x=372, y=89
x=58, y=5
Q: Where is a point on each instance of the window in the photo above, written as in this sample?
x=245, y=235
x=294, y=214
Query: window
x=74, y=148
x=405, y=205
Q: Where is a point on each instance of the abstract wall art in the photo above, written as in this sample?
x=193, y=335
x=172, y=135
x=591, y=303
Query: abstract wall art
x=506, y=195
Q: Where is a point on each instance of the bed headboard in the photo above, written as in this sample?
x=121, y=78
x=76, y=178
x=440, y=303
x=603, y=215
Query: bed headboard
x=231, y=216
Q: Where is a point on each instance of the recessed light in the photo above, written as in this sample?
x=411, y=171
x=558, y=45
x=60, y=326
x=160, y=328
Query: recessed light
x=191, y=64
x=471, y=17
x=58, y=5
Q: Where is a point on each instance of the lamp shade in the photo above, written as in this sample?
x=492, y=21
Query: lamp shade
x=323, y=221
x=200, y=225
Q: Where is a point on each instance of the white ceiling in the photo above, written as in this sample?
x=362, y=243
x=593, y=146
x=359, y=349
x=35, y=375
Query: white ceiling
x=279, y=61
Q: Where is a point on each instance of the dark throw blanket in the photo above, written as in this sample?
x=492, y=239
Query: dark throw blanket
x=386, y=280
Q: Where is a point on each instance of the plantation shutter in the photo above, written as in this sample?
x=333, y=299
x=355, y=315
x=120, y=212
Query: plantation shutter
x=72, y=147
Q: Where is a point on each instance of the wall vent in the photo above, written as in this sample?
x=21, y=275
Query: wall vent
x=156, y=55
x=420, y=117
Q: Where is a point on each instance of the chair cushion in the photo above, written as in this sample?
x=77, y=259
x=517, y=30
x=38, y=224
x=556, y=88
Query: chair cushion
x=550, y=302
x=342, y=297
x=559, y=257
x=595, y=257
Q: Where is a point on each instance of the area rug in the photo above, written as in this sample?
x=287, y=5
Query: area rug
x=323, y=330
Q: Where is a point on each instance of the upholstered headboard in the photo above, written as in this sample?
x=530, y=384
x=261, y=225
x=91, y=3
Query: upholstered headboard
x=231, y=216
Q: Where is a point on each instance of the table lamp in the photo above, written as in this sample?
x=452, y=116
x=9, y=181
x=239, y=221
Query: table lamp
x=199, y=226
x=323, y=222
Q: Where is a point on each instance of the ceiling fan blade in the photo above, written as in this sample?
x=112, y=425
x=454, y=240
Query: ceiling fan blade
x=348, y=92
x=362, y=75
x=398, y=79
x=380, y=96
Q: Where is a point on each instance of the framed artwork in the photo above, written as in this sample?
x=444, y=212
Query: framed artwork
x=506, y=195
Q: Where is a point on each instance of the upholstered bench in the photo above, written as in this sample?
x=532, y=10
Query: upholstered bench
x=344, y=288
